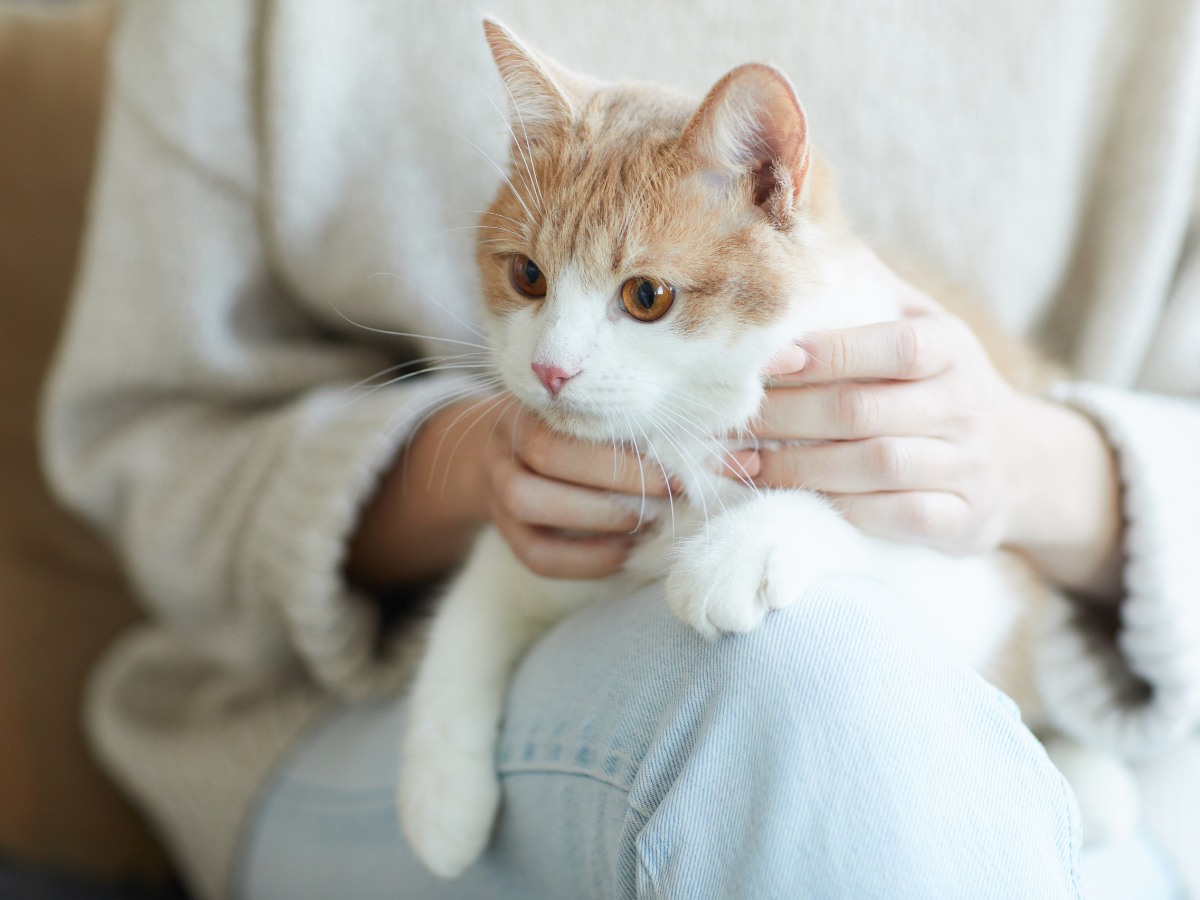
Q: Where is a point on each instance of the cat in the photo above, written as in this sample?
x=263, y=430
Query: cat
x=658, y=255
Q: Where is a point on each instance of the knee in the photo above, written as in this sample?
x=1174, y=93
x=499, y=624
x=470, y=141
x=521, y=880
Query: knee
x=852, y=655
x=840, y=725
x=846, y=682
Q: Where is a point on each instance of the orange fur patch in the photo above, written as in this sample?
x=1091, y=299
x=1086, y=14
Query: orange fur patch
x=618, y=195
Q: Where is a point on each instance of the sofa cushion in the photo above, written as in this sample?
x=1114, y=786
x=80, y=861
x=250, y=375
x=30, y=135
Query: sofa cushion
x=61, y=595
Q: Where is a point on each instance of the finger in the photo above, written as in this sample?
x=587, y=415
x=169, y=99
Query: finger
x=934, y=518
x=741, y=465
x=840, y=412
x=861, y=467
x=552, y=555
x=606, y=467
x=535, y=500
x=788, y=361
x=909, y=349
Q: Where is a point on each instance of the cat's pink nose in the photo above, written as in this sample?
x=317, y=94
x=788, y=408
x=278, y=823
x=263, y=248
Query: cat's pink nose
x=553, y=377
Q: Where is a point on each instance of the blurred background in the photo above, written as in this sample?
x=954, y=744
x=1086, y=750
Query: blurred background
x=65, y=831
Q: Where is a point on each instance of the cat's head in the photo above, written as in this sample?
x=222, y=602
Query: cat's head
x=647, y=255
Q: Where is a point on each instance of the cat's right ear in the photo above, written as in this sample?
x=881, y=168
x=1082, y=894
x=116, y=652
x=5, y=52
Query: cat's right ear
x=538, y=101
x=752, y=124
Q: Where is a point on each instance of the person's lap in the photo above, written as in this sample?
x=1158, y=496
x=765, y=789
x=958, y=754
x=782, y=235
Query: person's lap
x=835, y=752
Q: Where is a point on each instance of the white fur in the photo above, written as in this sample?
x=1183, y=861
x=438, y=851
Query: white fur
x=448, y=787
x=1109, y=802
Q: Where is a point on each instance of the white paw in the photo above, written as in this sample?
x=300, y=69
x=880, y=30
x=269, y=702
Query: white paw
x=449, y=793
x=1108, y=797
x=724, y=581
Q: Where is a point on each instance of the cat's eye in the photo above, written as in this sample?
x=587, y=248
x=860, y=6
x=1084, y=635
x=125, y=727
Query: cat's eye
x=526, y=276
x=647, y=299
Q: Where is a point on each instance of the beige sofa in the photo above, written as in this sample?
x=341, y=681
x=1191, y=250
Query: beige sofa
x=61, y=595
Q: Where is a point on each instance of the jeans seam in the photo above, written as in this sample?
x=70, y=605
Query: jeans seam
x=571, y=773
x=644, y=868
x=1076, y=835
x=303, y=794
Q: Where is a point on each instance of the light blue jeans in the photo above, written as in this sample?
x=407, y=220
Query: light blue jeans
x=838, y=751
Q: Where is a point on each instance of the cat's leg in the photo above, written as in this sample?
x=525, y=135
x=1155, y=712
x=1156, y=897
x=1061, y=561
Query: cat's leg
x=448, y=790
x=759, y=555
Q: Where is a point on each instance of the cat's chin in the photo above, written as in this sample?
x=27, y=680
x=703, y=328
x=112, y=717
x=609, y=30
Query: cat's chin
x=576, y=422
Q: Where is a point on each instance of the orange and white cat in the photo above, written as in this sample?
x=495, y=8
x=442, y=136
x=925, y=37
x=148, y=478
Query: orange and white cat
x=657, y=255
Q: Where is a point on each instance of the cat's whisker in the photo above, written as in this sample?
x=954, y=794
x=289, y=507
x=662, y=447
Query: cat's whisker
x=641, y=469
x=528, y=157
x=408, y=334
x=488, y=404
x=666, y=478
x=527, y=163
x=364, y=394
x=488, y=212
x=692, y=401
x=685, y=419
x=500, y=171
x=460, y=393
x=428, y=370
x=470, y=326
x=361, y=383
x=688, y=461
x=710, y=445
x=512, y=398
x=515, y=234
x=431, y=408
x=522, y=412
x=670, y=496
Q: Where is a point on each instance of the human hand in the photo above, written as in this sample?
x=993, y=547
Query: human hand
x=566, y=507
x=910, y=427
x=915, y=436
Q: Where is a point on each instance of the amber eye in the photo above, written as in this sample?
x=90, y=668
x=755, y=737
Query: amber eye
x=526, y=276
x=647, y=299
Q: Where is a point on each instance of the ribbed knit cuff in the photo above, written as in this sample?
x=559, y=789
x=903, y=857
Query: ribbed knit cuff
x=1135, y=687
x=297, y=545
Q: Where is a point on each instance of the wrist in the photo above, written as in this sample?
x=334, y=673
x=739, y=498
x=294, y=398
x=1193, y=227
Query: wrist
x=1067, y=518
x=429, y=504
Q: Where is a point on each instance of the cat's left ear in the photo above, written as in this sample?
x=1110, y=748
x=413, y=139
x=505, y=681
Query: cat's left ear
x=538, y=89
x=752, y=123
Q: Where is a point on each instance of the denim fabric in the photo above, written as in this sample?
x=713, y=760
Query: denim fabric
x=838, y=751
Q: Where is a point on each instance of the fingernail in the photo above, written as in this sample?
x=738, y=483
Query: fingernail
x=743, y=464
x=675, y=486
x=790, y=361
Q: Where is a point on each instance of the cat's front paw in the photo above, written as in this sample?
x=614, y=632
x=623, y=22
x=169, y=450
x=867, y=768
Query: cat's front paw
x=725, y=579
x=1105, y=789
x=449, y=794
x=756, y=558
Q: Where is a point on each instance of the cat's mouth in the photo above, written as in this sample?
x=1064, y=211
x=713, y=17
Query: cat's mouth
x=580, y=420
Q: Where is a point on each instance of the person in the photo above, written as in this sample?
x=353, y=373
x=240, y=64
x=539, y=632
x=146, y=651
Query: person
x=282, y=211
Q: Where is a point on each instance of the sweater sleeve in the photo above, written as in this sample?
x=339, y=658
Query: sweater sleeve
x=195, y=413
x=1133, y=684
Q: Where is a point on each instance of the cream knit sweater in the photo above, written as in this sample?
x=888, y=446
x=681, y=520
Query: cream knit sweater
x=262, y=162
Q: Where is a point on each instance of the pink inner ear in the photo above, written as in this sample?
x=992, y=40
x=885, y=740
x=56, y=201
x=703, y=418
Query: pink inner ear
x=751, y=120
x=780, y=130
x=538, y=102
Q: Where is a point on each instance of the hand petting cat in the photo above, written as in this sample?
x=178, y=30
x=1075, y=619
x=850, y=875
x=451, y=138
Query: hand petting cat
x=914, y=435
x=566, y=507
x=558, y=500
